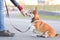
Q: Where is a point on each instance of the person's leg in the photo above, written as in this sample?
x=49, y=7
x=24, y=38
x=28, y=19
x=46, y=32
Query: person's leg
x=3, y=32
x=1, y=22
x=1, y=16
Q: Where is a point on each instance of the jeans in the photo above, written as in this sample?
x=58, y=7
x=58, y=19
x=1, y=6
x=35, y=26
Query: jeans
x=1, y=15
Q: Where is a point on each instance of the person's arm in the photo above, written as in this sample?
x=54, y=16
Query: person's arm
x=21, y=9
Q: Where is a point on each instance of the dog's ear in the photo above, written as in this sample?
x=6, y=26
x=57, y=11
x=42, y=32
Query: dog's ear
x=35, y=8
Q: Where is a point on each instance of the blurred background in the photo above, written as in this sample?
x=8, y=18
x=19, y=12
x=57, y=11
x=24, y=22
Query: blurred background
x=48, y=9
x=49, y=12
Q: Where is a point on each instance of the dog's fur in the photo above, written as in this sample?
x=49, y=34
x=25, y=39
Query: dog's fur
x=42, y=28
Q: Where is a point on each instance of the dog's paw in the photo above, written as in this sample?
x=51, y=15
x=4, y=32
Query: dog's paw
x=34, y=35
x=41, y=36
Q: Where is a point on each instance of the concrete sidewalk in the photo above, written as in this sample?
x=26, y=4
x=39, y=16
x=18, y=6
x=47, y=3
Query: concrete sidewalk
x=27, y=35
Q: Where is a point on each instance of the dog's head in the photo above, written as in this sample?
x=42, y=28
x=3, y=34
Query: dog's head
x=32, y=12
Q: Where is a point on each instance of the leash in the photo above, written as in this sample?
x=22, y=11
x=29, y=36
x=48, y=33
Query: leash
x=11, y=22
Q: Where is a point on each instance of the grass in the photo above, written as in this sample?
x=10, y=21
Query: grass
x=43, y=17
x=50, y=17
x=47, y=8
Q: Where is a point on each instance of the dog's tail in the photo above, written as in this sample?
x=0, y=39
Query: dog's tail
x=57, y=35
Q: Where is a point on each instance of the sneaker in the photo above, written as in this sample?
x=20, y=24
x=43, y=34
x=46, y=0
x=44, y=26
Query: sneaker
x=6, y=33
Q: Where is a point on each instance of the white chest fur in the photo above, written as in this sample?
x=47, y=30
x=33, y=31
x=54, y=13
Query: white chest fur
x=39, y=33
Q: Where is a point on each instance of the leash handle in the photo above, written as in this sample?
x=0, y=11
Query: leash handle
x=7, y=12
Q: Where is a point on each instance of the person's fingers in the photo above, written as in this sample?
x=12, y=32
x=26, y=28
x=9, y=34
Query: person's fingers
x=23, y=12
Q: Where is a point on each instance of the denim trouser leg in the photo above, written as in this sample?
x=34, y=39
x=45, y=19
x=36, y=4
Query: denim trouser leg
x=1, y=15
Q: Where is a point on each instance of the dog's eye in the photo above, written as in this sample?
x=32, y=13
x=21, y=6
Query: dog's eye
x=30, y=12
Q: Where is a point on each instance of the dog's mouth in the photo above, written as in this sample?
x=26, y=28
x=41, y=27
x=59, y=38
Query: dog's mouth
x=30, y=15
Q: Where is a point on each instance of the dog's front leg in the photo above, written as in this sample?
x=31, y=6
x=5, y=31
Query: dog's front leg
x=37, y=33
x=45, y=34
x=40, y=34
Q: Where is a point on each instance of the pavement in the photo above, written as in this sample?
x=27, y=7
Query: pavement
x=23, y=24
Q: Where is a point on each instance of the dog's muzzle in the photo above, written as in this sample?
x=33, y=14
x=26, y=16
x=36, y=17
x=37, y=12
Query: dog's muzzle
x=28, y=13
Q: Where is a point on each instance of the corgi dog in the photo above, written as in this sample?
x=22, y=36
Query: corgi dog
x=41, y=28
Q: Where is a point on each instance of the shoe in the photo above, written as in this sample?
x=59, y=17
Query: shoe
x=6, y=33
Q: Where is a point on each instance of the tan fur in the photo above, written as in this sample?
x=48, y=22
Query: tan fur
x=42, y=26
